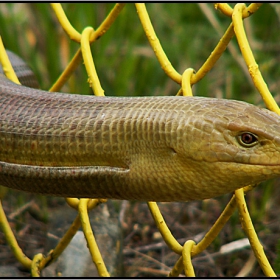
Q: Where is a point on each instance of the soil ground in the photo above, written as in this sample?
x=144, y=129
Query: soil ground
x=144, y=251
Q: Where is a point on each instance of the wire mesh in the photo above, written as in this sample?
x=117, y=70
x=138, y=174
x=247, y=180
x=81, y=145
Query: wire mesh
x=189, y=77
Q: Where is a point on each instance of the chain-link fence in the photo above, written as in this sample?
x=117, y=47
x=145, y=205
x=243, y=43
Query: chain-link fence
x=238, y=14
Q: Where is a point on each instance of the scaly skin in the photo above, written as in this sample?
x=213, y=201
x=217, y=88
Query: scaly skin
x=138, y=148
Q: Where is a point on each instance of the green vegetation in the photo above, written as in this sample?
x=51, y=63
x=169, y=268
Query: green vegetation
x=123, y=57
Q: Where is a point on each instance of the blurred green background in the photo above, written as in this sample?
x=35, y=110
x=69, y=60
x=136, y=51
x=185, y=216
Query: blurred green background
x=127, y=66
x=125, y=62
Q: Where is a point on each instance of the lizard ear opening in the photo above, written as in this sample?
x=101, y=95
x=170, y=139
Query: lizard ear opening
x=247, y=139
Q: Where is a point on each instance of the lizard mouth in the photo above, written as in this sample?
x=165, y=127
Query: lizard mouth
x=239, y=162
x=252, y=164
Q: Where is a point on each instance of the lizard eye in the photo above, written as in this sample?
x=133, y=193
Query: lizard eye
x=247, y=139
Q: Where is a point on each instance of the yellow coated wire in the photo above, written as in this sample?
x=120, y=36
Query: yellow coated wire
x=216, y=228
x=227, y=10
x=64, y=22
x=35, y=270
x=93, y=80
x=76, y=60
x=73, y=202
x=178, y=267
x=251, y=233
x=6, y=64
x=169, y=239
x=66, y=239
x=251, y=9
x=218, y=225
x=154, y=41
x=214, y=56
x=106, y=24
x=250, y=60
x=186, y=80
x=11, y=240
x=210, y=235
x=63, y=243
x=91, y=242
x=68, y=71
x=92, y=203
x=187, y=261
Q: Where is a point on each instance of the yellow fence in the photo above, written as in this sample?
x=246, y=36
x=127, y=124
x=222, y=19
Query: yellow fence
x=189, y=77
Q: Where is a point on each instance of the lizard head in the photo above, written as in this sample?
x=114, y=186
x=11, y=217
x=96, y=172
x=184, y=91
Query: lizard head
x=232, y=144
